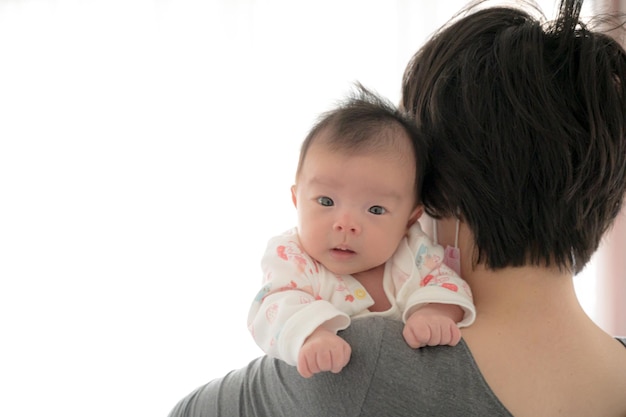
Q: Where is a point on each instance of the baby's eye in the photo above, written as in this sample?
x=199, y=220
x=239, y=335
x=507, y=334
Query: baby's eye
x=378, y=210
x=326, y=201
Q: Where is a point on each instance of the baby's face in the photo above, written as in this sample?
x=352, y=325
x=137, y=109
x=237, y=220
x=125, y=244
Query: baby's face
x=353, y=210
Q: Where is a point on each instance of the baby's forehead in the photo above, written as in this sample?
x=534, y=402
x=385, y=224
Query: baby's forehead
x=386, y=140
x=325, y=160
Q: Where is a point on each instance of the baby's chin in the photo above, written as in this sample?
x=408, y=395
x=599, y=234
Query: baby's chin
x=352, y=270
x=340, y=269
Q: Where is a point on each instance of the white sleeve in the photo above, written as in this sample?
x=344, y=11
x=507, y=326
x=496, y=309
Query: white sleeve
x=432, y=281
x=288, y=307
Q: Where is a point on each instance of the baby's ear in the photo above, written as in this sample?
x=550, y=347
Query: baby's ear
x=293, y=196
x=415, y=215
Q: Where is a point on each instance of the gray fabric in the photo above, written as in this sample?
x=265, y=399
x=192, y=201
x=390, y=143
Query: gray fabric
x=385, y=376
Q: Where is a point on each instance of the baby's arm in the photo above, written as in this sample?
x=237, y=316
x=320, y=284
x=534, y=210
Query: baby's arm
x=436, y=301
x=287, y=310
x=323, y=351
x=433, y=324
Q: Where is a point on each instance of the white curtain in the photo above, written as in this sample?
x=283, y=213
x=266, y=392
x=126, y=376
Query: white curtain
x=147, y=148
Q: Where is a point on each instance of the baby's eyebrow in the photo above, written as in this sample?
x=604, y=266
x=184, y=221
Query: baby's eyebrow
x=380, y=191
x=373, y=192
x=321, y=180
x=388, y=194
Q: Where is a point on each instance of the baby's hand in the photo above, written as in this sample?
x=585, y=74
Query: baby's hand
x=323, y=351
x=432, y=325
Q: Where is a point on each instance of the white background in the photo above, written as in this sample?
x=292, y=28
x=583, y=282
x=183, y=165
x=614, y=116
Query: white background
x=146, y=154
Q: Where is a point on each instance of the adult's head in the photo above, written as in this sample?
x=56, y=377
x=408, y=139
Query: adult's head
x=528, y=124
x=357, y=184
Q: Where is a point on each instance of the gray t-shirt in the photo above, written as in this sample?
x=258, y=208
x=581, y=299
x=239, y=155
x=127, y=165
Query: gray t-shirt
x=385, y=377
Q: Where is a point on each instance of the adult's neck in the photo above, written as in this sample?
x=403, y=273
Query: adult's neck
x=531, y=335
x=529, y=291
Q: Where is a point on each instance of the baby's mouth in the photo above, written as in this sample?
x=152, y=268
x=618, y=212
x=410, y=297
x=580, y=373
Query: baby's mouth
x=343, y=250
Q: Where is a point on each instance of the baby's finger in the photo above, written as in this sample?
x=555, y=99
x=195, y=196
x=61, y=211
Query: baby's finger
x=455, y=335
x=324, y=361
x=435, y=335
x=340, y=357
x=303, y=367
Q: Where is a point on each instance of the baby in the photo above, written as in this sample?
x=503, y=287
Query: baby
x=358, y=249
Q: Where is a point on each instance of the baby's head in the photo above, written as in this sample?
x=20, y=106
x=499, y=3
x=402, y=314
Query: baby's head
x=358, y=183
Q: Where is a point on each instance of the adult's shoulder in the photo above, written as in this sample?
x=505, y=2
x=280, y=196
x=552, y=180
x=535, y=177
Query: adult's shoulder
x=268, y=386
x=438, y=380
x=384, y=377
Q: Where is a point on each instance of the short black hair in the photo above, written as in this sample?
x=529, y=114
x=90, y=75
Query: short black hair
x=528, y=120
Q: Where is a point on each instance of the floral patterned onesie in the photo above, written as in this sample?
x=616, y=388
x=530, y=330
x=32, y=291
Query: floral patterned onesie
x=299, y=294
